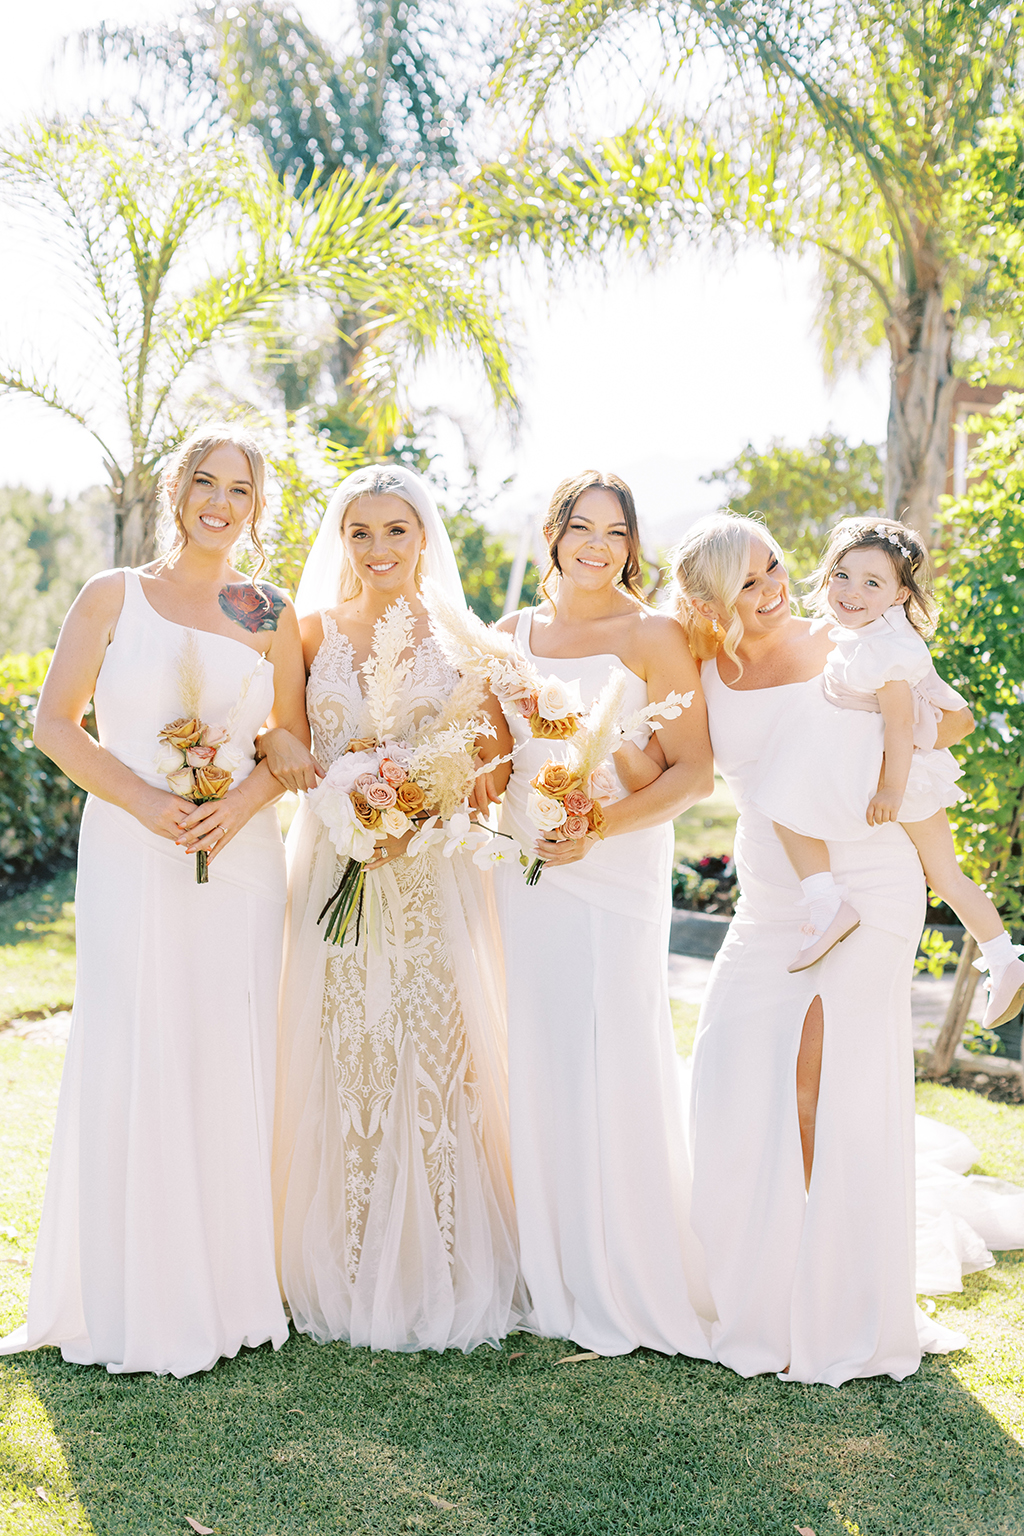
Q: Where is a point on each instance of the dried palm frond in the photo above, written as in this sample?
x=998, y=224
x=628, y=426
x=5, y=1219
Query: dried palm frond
x=191, y=675
x=599, y=736
x=384, y=670
x=472, y=646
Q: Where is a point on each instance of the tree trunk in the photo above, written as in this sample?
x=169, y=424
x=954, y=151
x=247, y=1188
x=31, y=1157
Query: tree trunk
x=920, y=403
x=964, y=987
x=135, y=517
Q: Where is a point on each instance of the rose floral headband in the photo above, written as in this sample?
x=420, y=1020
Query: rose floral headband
x=894, y=538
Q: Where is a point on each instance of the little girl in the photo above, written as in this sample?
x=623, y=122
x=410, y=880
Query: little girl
x=878, y=707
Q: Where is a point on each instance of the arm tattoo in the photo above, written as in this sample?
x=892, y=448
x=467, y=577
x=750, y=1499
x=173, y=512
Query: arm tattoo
x=255, y=607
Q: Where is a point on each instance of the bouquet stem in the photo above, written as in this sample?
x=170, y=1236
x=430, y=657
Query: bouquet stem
x=202, y=868
x=346, y=899
x=535, y=871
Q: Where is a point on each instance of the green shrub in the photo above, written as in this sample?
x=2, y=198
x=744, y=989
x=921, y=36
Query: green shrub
x=40, y=809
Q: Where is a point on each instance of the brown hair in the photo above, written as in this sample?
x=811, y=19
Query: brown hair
x=905, y=552
x=561, y=509
x=177, y=479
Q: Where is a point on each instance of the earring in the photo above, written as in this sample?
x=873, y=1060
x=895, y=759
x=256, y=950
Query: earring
x=714, y=625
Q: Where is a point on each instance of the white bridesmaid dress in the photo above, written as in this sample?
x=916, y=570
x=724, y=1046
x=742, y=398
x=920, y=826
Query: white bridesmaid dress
x=599, y=1158
x=156, y=1248
x=822, y=1282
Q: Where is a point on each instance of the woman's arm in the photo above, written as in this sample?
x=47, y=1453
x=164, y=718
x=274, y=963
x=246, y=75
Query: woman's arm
x=286, y=751
x=213, y=824
x=685, y=742
x=896, y=701
x=953, y=727
x=489, y=787
x=70, y=682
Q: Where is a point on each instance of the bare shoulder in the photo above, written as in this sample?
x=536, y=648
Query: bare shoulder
x=311, y=632
x=507, y=624
x=102, y=597
x=660, y=635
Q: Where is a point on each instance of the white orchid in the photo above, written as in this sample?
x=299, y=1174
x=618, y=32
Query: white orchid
x=430, y=832
x=464, y=835
x=500, y=850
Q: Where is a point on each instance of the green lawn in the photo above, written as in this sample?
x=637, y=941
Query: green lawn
x=502, y=1443
x=708, y=827
x=37, y=949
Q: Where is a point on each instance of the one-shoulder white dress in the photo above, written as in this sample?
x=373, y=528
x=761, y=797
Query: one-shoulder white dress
x=156, y=1249
x=599, y=1157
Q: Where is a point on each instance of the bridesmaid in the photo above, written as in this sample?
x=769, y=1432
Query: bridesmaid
x=598, y=1146
x=156, y=1246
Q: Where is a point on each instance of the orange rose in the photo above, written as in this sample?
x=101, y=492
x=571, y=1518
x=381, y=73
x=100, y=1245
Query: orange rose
x=555, y=779
x=596, y=818
x=554, y=730
x=409, y=797
x=182, y=734
x=365, y=811
x=211, y=783
x=361, y=744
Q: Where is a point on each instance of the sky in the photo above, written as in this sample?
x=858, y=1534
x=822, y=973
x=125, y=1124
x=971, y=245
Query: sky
x=662, y=376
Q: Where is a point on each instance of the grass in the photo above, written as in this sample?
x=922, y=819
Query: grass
x=708, y=827
x=504, y=1442
x=37, y=949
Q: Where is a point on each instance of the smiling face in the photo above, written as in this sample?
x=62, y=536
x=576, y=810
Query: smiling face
x=862, y=586
x=219, y=502
x=593, y=549
x=763, y=601
x=383, y=540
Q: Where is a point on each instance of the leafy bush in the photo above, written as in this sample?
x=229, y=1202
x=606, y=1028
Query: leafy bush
x=40, y=809
x=979, y=649
x=705, y=885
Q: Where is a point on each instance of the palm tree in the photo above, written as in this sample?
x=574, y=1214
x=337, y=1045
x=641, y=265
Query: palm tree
x=888, y=137
x=177, y=250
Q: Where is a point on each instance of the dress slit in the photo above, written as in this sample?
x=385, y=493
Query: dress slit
x=808, y=1072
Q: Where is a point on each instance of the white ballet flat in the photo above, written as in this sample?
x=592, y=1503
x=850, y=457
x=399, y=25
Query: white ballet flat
x=840, y=928
x=1005, y=995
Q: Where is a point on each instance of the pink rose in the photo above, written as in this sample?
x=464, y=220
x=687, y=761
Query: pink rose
x=380, y=796
x=575, y=826
x=603, y=783
x=392, y=773
x=577, y=803
x=364, y=782
x=198, y=757
x=527, y=706
x=214, y=736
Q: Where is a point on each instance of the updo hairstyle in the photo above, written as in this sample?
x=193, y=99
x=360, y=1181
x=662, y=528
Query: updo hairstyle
x=177, y=478
x=556, y=521
x=709, y=565
x=905, y=552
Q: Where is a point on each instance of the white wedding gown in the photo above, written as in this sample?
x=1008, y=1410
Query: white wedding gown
x=391, y=1172
x=823, y=1282
x=156, y=1248
x=599, y=1155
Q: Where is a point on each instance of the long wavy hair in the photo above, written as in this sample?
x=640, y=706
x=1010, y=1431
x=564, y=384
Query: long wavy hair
x=561, y=509
x=178, y=475
x=709, y=565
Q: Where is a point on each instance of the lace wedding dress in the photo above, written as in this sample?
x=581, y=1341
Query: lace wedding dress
x=392, y=1186
x=156, y=1247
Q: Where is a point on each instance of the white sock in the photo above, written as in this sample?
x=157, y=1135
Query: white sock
x=998, y=953
x=823, y=901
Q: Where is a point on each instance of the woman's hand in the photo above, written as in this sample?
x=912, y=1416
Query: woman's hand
x=212, y=825
x=291, y=763
x=567, y=850
x=391, y=848
x=489, y=787
x=159, y=812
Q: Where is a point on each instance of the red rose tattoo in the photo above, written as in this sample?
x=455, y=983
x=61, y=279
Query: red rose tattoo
x=254, y=607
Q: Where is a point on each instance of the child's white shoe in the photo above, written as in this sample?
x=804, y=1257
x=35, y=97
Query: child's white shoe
x=1005, y=994
x=840, y=928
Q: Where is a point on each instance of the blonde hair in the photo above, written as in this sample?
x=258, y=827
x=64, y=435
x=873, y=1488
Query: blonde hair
x=905, y=552
x=374, y=480
x=556, y=521
x=178, y=476
x=709, y=565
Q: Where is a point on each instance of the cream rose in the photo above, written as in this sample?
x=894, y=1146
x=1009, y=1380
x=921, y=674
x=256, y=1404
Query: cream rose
x=545, y=813
x=394, y=822
x=181, y=783
x=556, y=699
x=167, y=761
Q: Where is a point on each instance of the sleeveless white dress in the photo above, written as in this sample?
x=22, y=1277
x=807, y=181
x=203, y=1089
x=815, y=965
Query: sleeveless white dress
x=599, y=1155
x=156, y=1248
x=822, y=1282
x=391, y=1170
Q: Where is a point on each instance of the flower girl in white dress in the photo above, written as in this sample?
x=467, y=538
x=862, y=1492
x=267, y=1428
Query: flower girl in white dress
x=878, y=706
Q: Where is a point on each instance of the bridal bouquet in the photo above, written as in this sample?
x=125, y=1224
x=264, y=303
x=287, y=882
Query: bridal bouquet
x=396, y=774
x=198, y=760
x=553, y=708
x=566, y=796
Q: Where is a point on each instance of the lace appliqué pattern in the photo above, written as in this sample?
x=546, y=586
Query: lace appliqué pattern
x=420, y=1011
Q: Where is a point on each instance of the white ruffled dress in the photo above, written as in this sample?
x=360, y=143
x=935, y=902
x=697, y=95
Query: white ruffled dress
x=821, y=767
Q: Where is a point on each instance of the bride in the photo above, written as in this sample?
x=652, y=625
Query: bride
x=393, y=1199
